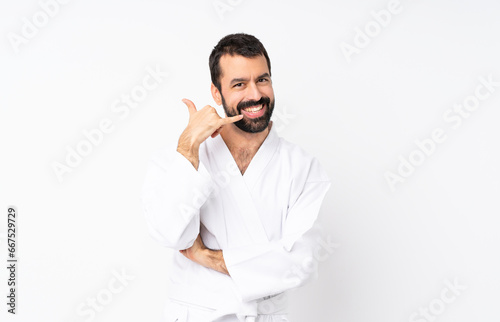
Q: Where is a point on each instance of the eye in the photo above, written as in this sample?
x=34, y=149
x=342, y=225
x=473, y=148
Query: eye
x=263, y=80
x=238, y=85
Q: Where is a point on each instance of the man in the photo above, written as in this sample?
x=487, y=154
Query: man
x=234, y=199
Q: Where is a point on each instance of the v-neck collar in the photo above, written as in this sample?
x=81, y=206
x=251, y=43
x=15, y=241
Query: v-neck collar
x=259, y=161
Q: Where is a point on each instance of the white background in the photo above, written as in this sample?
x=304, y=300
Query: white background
x=397, y=247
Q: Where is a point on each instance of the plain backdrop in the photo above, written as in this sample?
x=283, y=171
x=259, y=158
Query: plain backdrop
x=354, y=91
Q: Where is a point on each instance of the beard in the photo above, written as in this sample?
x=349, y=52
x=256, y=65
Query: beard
x=254, y=125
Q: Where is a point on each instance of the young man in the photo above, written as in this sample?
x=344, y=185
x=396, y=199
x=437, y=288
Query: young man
x=234, y=199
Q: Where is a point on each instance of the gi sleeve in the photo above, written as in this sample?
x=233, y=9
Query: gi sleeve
x=260, y=270
x=172, y=195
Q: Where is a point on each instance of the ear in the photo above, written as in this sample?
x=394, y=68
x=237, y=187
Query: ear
x=216, y=94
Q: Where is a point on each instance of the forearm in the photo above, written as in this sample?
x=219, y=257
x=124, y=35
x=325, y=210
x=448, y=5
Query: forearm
x=189, y=149
x=278, y=268
x=171, y=197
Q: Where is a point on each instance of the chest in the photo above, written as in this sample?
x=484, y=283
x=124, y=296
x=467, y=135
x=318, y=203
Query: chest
x=231, y=209
x=243, y=159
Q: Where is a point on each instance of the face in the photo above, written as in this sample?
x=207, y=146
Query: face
x=246, y=88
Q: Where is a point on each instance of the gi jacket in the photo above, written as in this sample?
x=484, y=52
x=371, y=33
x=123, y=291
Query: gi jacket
x=262, y=221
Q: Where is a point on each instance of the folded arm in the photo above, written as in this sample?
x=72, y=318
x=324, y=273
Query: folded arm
x=270, y=268
x=209, y=258
x=259, y=270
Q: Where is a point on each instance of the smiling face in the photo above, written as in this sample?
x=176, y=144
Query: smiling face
x=246, y=88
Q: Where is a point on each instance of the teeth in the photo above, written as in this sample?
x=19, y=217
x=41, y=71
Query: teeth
x=254, y=109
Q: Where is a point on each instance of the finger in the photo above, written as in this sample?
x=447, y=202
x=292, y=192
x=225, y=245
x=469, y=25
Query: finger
x=190, y=105
x=232, y=119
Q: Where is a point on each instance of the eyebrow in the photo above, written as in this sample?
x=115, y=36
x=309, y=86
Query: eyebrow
x=237, y=80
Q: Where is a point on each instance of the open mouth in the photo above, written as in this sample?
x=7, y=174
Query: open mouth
x=254, y=111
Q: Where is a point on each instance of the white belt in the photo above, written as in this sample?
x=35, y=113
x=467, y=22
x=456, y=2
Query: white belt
x=230, y=305
x=248, y=311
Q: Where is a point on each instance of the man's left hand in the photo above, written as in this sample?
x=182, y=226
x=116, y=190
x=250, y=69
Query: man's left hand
x=200, y=254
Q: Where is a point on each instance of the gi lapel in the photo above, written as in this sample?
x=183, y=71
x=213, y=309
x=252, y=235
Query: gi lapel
x=261, y=159
x=240, y=186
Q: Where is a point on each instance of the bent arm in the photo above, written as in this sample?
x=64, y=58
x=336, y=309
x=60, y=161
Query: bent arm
x=177, y=184
x=172, y=195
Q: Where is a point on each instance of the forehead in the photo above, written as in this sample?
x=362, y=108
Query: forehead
x=239, y=66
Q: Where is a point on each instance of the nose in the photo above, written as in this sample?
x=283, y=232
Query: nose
x=253, y=92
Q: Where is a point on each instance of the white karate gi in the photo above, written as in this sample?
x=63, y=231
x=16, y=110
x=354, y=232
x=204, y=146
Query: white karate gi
x=262, y=221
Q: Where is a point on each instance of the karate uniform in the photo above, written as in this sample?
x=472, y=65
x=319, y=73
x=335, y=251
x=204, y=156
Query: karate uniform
x=263, y=221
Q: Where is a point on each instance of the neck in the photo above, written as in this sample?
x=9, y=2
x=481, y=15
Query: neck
x=236, y=139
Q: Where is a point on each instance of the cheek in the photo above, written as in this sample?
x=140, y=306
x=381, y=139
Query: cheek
x=268, y=91
x=236, y=99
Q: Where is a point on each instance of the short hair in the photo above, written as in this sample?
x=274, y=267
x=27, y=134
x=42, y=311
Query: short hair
x=235, y=44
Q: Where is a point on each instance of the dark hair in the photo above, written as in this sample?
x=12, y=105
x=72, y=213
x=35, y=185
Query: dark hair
x=235, y=44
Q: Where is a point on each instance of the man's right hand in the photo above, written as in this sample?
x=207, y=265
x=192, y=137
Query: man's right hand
x=202, y=124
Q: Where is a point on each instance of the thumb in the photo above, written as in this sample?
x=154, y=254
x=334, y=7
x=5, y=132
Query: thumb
x=190, y=105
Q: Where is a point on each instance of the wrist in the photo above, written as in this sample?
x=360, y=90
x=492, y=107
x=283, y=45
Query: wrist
x=189, y=149
x=188, y=141
x=188, y=146
x=190, y=152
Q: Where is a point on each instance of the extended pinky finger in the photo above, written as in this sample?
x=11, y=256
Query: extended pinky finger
x=232, y=119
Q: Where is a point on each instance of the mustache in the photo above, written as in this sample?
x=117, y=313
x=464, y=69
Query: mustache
x=263, y=100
